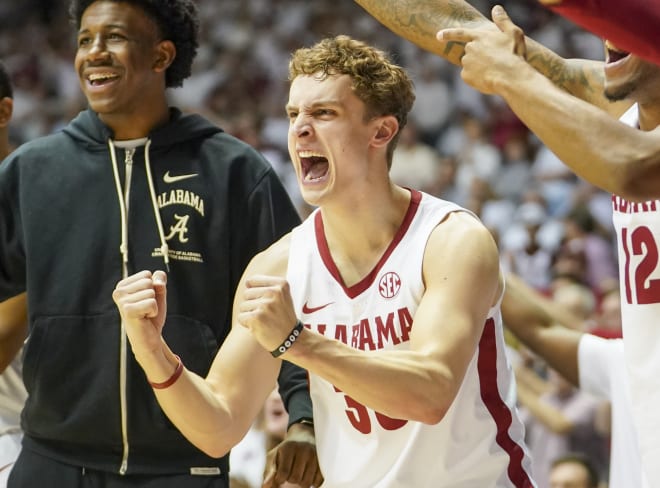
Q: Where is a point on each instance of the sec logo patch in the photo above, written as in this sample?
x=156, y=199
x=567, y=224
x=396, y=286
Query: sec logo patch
x=389, y=285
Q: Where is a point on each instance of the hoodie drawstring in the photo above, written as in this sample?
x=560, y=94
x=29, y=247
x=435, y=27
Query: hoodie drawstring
x=123, y=247
x=164, y=248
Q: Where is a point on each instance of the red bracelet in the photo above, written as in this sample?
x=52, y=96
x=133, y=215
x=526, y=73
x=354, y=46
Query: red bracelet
x=172, y=379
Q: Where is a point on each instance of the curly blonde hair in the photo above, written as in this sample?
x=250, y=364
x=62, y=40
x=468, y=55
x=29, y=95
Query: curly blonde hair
x=383, y=86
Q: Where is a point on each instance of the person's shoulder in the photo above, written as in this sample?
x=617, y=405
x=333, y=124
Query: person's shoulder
x=35, y=149
x=274, y=259
x=463, y=224
x=461, y=238
x=452, y=222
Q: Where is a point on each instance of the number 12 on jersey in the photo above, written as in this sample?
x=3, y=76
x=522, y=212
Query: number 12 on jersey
x=640, y=243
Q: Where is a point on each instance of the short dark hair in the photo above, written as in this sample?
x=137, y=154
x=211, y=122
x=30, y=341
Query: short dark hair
x=5, y=83
x=582, y=460
x=178, y=22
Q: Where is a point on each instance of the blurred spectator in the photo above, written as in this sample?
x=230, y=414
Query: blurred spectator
x=574, y=296
x=522, y=251
x=445, y=183
x=516, y=174
x=248, y=457
x=434, y=103
x=573, y=471
x=415, y=164
x=558, y=419
x=582, y=236
x=556, y=181
x=477, y=158
x=607, y=323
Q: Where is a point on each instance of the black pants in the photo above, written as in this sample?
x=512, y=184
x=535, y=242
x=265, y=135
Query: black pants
x=32, y=470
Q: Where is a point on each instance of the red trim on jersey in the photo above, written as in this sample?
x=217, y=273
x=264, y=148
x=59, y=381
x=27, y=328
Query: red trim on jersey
x=367, y=281
x=487, y=367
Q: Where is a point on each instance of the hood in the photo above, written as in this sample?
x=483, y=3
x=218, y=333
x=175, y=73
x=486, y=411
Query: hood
x=91, y=132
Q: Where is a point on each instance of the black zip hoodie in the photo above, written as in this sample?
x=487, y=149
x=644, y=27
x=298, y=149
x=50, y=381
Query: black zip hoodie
x=73, y=223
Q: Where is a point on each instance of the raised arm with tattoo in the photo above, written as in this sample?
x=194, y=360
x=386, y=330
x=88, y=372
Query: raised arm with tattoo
x=604, y=151
x=420, y=20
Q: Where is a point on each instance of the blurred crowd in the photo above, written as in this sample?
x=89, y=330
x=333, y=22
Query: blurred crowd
x=553, y=229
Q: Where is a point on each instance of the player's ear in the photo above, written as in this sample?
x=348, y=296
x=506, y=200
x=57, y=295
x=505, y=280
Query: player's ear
x=165, y=54
x=388, y=127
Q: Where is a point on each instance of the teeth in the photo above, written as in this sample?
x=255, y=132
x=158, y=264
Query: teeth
x=310, y=154
x=100, y=76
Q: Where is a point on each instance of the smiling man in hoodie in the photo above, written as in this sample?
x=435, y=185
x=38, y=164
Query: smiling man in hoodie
x=132, y=183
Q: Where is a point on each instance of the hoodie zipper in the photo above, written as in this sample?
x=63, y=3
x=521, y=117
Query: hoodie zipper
x=128, y=161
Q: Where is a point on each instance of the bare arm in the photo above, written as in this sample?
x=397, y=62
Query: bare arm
x=543, y=326
x=13, y=328
x=596, y=146
x=461, y=272
x=213, y=413
x=551, y=417
x=418, y=21
x=527, y=375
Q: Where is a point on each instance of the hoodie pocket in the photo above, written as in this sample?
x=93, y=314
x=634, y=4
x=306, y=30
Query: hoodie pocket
x=71, y=372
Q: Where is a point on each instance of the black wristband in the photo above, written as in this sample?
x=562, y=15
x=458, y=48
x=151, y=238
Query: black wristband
x=289, y=341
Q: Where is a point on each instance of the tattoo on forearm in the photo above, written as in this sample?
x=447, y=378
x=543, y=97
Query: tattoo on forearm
x=552, y=67
x=422, y=17
x=420, y=20
x=583, y=80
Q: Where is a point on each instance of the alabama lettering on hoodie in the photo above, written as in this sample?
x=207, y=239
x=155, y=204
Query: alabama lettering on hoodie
x=80, y=211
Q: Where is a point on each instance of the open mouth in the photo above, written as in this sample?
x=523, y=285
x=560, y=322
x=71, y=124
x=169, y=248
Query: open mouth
x=99, y=79
x=314, y=166
x=614, y=54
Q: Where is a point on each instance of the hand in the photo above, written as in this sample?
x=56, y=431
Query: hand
x=267, y=310
x=141, y=300
x=491, y=55
x=294, y=460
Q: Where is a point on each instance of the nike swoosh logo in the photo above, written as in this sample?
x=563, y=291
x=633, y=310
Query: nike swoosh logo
x=307, y=309
x=167, y=178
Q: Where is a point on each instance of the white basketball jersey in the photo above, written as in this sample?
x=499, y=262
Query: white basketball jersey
x=638, y=235
x=479, y=442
